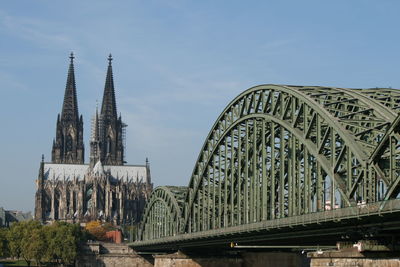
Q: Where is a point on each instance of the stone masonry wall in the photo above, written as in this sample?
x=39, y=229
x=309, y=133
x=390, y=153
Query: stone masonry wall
x=111, y=255
x=356, y=262
x=352, y=257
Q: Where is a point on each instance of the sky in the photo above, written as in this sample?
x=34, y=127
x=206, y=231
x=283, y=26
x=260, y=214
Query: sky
x=176, y=65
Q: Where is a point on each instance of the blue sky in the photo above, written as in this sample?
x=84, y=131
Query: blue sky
x=177, y=64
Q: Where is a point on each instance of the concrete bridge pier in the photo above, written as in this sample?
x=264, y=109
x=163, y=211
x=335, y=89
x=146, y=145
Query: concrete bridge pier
x=362, y=254
x=242, y=259
x=180, y=259
x=119, y=255
x=271, y=259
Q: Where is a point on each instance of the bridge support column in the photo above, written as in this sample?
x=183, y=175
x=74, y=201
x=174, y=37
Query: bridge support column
x=362, y=254
x=272, y=259
x=245, y=259
x=180, y=259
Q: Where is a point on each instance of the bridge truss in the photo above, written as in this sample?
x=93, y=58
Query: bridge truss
x=281, y=153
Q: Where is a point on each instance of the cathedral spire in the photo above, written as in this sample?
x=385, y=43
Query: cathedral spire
x=68, y=146
x=95, y=140
x=70, y=104
x=109, y=106
x=97, y=126
x=111, y=127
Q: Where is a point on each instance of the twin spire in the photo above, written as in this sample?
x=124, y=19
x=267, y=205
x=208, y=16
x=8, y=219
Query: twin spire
x=109, y=107
x=70, y=105
x=107, y=132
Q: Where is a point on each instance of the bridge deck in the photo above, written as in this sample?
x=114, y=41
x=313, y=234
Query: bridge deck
x=328, y=223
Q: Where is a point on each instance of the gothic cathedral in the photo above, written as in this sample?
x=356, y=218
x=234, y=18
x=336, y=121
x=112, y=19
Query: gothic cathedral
x=105, y=189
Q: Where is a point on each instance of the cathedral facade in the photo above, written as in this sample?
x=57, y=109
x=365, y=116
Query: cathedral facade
x=104, y=189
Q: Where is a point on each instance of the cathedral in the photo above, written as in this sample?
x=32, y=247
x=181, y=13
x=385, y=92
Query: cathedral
x=105, y=189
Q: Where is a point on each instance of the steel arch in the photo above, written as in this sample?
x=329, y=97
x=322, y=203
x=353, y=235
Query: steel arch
x=386, y=96
x=278, y=151
x=162, y=213
x=320, y=113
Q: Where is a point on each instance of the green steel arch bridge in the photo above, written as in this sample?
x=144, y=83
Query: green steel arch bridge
x=287, y=165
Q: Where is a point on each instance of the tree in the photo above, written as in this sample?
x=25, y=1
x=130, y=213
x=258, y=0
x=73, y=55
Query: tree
x=96, y=230
x=57, y=242
x=29, y=244
x=130, y=231
x=14, y=237
x=63, y=241
x=108, y=226
x=69, y=249
x=4, y=250
x=22, y=242
x=34, y=245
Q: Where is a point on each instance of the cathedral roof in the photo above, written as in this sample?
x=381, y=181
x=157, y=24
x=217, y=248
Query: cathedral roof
x=79, y=171
x=127, y=172
x=67, y=171
x=98, y=168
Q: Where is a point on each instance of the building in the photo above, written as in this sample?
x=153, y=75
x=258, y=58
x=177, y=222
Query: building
x=8, y=217
x=104, y=189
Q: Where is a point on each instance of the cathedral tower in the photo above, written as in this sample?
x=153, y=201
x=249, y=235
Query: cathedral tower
x=68, y=145
x=111, y=127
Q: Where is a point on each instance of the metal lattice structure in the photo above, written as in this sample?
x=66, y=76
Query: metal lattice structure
x=280, y=152
x=162, y=215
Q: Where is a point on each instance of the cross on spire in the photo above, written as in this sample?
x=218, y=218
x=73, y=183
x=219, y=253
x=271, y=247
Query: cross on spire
x=71, y=56
x=110, y=59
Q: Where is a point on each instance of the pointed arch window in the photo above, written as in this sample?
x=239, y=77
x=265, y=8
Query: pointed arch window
x=108, y=144
x=68, y=143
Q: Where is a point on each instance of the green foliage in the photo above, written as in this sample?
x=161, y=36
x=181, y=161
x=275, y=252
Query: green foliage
x=109, y=226
x=23, y=243
x=4, y=250
x=63, y=241
x=30, y=246
x=58, y=242
x=15, y=236
x=129, y=231
x=34, y=245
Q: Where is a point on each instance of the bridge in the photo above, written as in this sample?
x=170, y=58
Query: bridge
x=287, y=165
